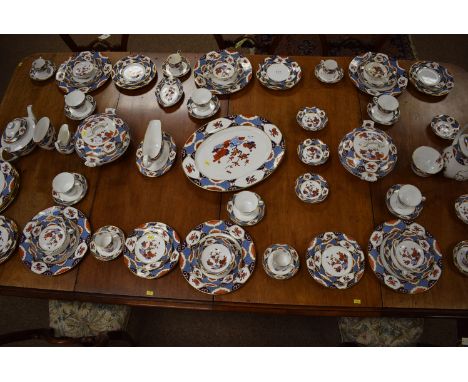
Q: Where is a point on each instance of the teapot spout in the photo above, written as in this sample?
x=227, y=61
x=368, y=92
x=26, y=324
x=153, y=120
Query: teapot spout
x=31, y=114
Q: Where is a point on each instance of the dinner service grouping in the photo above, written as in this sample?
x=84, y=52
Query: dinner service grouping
x=445, y=126
x=461, y=208
x=17, y=138
x=55, y=240
x=86, y=71
x=169, y=91
x=133, y=72
x=367, y=152
x=456, y=156
x=405, y=201
x=328, y=71
x=152, y=250
x=203, y=104
x=335, y=260
x=176, y=65
x=313, y=152
x=8, y=238
x=44, y=134
x=426, y=161
x=65, y=143
x=312, y=118
x=217, y=257
x=102, y=138
x=312, y=188
x=384, y=109
x=41, y=69
x=107, y=243
x=280, y=261
x=69, y=188
x=222, y=71
x=376, y=74
x=405, y=256
x=431, y=78
x=9, y=184
x=246, y=208
x=156, y=153
x=232, y=153
x=279, y=73
x=460, y=257
x=79, y=105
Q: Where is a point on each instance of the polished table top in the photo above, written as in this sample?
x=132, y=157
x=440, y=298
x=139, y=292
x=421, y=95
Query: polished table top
x=118, y=194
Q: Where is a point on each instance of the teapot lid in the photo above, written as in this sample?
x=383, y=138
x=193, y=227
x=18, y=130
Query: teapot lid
x=15, y=130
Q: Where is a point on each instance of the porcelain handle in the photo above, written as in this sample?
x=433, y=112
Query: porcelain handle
x=375, y=99
x=110, y=110
x=6, y=155
x=31, y=114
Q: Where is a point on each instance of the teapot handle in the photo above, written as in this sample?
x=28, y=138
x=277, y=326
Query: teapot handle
x=110, y=110
x=459, y=134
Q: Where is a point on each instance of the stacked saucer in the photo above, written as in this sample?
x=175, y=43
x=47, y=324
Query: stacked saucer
x=313, y=152
x=405, y=257
x=8, y=237
x=9, y=184
x=335, y=260
x=152, y=250
x=461, y=208
x=460, y=257
x=246, y=208
x=312, y=118
x=279, y=73
x=69, y=188
x=42, y=70
x=312, y=188
x=280, y=261
x=431, y=78
x=169, y=91
x=107, y=243
x=133, y=72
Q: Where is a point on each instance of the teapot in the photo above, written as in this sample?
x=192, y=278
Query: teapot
x=456, y=156
x=17, y=138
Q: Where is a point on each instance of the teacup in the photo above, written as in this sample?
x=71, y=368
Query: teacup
x=44, y=134
x=202, y=98
x=246, y=205
x=426, y=161
x=75, y=100
x=84, y=70
x=386, y=104
x=53, y=240
x=376, y=73
x=281, y=259
x=64, y=143
x=408, y=198
x=223, y=71
x=175, y=61
x=64, y=183
x=39, y=64
x=104, y=241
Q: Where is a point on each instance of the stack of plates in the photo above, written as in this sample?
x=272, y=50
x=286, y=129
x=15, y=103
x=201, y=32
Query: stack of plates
x=405, y=257
x=431, y=78
x=8, y=237
x=218, y=257
x=101, y=138
x=335, y=260
x=9, y=184
x=376, y=74
x=152, y=250
x=223, y=72
x=279, y=73
x=133, y=72
x=55, y=240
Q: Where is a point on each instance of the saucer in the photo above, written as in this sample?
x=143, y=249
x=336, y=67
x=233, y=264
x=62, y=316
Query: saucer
x=288, y=271
x=325, y=77
x=431, y=78
x=445, y=126
x=313, y=152
x=43, y=74
x=8, y=237
x=312, y=118
x=237, y=217
x=168, y=154
x=460, y=257
x=9, y=184
x=461, y=208
x=201, y=113
x=79, y=192
x=409, y=213
x=382, y=118
x=169, y=91
x=311, y=188
x=179, y=72
x=75, y=115
x=118, y=244
x=279, y=73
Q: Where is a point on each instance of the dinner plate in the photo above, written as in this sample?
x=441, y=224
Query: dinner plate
x=232, y=153
x=8, y=237
x=279, y=73
x=9, y=184
x=431, y=78
x=133, y=72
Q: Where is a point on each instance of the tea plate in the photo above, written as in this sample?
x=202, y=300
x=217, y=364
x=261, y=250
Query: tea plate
x=9, y=184
x=312, y=118
x=460, y=257
x=445, y=126
x=461, y=208
x=407, y=214
x=313, y=152
x=116, y=247
x=277, y=271
x=311, y=188
x=81, y=187
x=237, y=276
x=67, y=79
x=75, y=115
x=169, y=91
x=169, y=151
x=335, y=260
x=237, y=218
x=43, y=75
x=201, y=113
x=133, y=72
x=232, y=153
x=431, y=78
x=279, y=73
x=386, y=274
x=27, y=241
x=8, y=237
x=178, y=73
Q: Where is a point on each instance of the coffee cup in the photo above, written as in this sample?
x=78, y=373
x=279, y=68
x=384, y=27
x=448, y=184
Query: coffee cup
x=64, y=183
x=426, y=161
x=202, y=97
x=247, y=204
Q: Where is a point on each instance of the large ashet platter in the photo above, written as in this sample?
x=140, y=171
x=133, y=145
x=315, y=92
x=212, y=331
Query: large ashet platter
x=368, y=152
x=232, y=153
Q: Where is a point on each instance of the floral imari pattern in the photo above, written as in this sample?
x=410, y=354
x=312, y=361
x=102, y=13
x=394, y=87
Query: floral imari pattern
x=196, y=139
x=117, y=139
x=8, y=237
x=102, y=253
x=169, y=91
x=289, y=272
x=236, y=151
x=460, y=257
x=44, y=73
x=445, y=126
x=461, y=208
x=312, y=118
x=52, y=237
x=29, y=242
x=148, y=65
x=167, y=140
x=295, y=73
x=313, y=152
x=346, y=275
x=311, y=188
x=9, y=179
x=397, y=81
x=394, y=190
x=443, y=87
x=388, y=273
x=240, y=273
x=66, y=81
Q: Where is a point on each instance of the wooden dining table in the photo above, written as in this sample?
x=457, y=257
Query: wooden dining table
x=119, y=195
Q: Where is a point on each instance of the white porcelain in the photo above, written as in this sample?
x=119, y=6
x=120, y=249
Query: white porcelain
x=75, y=98
x=202, y=97
x=63, y=183
x=426, y=161
x=152, y=142
x=64, y=143
x=39, y=63
x=44, y=134
x=84, y=70
x=17, y=138
x=278, y=72
x=428, y=76
x=174, y=60
x=456, y=156
x=246, y=204
x=405, y=201
x=328, y=71
x=107, y=243
x=69, y=188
